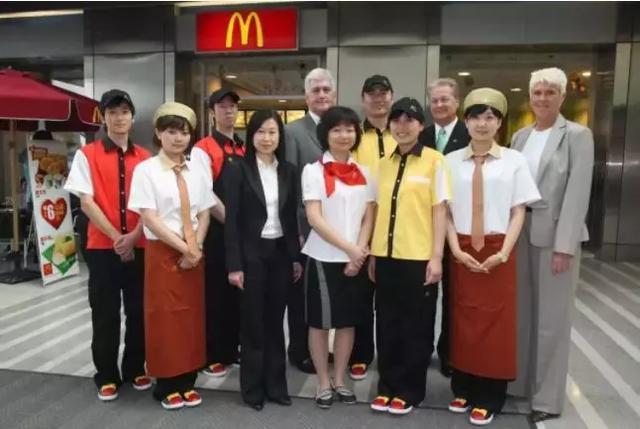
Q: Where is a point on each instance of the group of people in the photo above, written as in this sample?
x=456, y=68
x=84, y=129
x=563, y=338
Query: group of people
x=335, y=220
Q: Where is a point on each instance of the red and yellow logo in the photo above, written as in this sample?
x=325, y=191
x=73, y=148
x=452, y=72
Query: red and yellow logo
x=261, y=30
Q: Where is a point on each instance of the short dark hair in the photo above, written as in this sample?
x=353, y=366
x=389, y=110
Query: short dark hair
x=333, y=117
x=256, y=121
x=478, y=109
x=171, y=121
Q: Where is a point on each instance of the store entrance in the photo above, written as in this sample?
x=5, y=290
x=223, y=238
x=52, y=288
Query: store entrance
x=263, y=82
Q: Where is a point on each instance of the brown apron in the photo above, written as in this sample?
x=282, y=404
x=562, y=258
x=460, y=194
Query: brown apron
x=173, y=313
x=483, y=314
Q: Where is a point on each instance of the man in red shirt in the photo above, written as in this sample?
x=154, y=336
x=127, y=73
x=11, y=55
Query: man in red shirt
x=101, y=176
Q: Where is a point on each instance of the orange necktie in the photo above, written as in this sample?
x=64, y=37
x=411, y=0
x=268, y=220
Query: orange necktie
x=185, y=210
x=477, y=201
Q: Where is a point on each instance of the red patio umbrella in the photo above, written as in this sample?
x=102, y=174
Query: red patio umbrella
x=24, y=101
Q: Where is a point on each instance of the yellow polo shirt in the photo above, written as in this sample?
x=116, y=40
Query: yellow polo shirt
x=374, y=145
x=409, y=186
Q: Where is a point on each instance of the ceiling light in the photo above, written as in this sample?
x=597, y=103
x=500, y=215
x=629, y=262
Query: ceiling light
x=515, y=89
x=282, y=101
x=464, y=73
x=586, y=73
x=231, y=76
x=40, y=13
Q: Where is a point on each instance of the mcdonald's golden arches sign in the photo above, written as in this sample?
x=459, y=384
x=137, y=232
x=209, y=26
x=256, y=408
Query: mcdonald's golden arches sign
x=247, y=30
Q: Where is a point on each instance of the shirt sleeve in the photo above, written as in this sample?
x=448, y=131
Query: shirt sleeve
x=79, y=180
x=203, y=161
x=142, y=195
x=441, y=189
x=525, y=190
x=372, y=186
x=209, y=199
x=312, y=183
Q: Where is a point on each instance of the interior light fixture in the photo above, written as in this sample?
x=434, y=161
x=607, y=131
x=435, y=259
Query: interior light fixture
x=40, y=13
x=231, y=76
x=515, y=89
x=464, y=73
x=586, y=73
x=282, y=101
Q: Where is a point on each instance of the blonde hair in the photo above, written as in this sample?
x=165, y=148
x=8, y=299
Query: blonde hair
x=444, y=81
x=551, y=76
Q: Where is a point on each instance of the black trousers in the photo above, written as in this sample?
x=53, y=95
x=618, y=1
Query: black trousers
x=443, y=339
x=109, y=278
x=222, y=301
x=363, y=345
x=405, y=310
x=480, y=392
x=178, y=384
x=267, y=279
x=298, y=349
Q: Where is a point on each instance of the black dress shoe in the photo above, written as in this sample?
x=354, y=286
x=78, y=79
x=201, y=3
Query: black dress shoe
x=539, y=416
x=306, y=366
x=446, y=370
x=258, y=406
x=283, y=400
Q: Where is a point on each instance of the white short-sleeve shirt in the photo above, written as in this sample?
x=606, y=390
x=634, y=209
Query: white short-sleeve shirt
x=154, y=186
x=343, y=210
x=507, y=182
x=79, y=181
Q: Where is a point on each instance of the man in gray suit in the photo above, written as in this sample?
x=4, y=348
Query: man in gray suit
x=303, y=148
x=560, y=154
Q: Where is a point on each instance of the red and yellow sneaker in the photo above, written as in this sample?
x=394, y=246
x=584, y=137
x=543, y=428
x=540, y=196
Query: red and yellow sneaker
x=192, y=398
x=358, y=371
x=399, y=407
x=108, y=392
x=215, y=370
x=173, y=401
x=142, y=382
x=480, y=417
x=380, y=403
x=459, y=405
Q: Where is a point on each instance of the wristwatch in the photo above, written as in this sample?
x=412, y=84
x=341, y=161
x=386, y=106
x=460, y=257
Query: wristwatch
x=503, y=258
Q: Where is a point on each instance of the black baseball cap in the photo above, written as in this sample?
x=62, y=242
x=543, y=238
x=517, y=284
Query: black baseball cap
x=115, y=97
x=376, y=81
x=407, y=105
x=217, y=96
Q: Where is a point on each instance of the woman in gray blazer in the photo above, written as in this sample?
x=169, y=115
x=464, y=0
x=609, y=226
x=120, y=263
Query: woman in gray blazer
x=560, y=155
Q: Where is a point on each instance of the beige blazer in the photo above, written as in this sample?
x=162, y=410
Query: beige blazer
x=564, y=180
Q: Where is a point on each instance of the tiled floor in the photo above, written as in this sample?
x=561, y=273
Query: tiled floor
x=48, y=330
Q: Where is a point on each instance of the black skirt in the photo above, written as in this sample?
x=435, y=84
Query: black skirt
x=333, y=300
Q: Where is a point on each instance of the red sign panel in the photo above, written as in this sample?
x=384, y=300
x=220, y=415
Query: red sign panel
x=247, y=30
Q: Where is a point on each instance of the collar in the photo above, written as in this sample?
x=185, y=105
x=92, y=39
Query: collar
x=316, y=118
x=367, y=126
x=222, y=139
x=262, y=165
x=327, y=157
x=109, y=145
x=447, y=128
x=416, y=150
x=495, y=151
x=167, y=163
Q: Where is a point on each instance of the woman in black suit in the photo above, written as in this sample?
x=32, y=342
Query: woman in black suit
x=261, y=240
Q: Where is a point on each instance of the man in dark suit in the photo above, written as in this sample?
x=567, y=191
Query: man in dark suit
x=447, y=134
x=303, y=148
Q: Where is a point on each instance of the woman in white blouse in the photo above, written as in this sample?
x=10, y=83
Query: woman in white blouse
x=491, y=186
x=173, y=198
x=339, y=197
x=262, y=250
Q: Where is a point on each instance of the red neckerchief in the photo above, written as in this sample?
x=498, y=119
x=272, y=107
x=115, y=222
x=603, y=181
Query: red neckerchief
x=349, y=174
